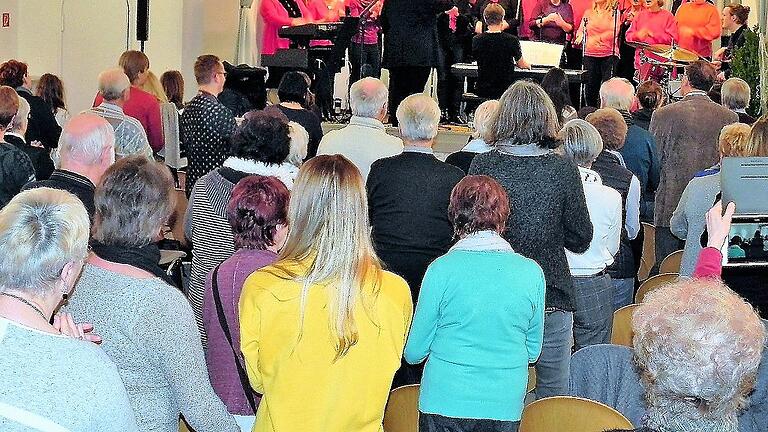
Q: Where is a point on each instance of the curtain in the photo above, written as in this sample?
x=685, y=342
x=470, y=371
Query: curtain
x=249, y=33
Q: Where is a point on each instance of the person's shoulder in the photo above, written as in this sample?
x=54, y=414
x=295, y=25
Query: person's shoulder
x=394, y=287
x=144, y=97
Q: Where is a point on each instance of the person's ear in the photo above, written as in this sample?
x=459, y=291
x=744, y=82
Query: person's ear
x=69, y=274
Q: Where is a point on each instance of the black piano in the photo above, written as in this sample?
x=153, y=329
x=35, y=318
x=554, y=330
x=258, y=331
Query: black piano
x=469, y=70
x=301, y=35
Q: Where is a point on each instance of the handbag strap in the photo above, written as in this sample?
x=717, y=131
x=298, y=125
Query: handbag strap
x=225, y=327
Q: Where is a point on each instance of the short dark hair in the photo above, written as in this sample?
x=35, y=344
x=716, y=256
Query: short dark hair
x=701, y=75
x=650, y=94
x=9, y=105
x=293, y=87
x=741, y=12
x=173, y=86
x=555, y=84
x=51, y=90
x=478, y=203
x=206, y=67
x=262, y=137
x=133, y=63
x=258, y=204
x=493, y=14
x=12, y=73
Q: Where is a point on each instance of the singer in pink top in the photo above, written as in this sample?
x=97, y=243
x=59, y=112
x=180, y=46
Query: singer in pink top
x=281, y=13
x=698, y=24
x=653, y=25
x=599, y=32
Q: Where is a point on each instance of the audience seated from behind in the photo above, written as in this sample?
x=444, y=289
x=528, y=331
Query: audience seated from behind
x=173, y=86
x=51, y=90
x=206, y=125
x=649, y=96
x=115, y=91
x=688, y=219
x=555, y=84
x=147, y=325
x=44, y=238
x=299, y=142
x=477, y=144
x=260, y=145
x=86, y=149
x=593, y=290
x=686, y=134
x=482, y=355
x=364, y=140
x=293, y=92
x=408, y=196
x=735, y=95
x=337, y=322
x=697, y=346
x=550, y=213
x=40, y=157
x=140, y=105
x=42, y=124
x=497, y=53
x=639, y=150
x=16, y=169
x=257, y=215
x=153, y=86
x=610, y=165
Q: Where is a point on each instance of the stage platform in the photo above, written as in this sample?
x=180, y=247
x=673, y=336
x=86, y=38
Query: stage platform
x=449, y=138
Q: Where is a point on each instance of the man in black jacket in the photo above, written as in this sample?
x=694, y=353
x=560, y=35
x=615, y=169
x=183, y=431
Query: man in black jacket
x=41, y=159
x=411, y=48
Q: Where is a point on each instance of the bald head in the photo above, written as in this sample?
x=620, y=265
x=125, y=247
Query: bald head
x=368, y=98
x=113, y=83
x=617, y=93
x=86, y=140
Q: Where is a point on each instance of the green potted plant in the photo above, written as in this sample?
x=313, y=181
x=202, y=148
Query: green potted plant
x=746, y=65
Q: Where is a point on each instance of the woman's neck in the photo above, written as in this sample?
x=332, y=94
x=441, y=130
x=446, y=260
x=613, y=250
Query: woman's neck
x=292, y=105
x=123, y=269
x=28, y=310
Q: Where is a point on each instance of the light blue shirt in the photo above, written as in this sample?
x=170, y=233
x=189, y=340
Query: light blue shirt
x=479, y=323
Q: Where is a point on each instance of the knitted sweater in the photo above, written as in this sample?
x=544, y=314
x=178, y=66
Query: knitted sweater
x=549, y=213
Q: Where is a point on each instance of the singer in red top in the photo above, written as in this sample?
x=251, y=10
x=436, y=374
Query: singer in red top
x=698, y=24
x=653, y=25
x=599, y=33
x=551, y=21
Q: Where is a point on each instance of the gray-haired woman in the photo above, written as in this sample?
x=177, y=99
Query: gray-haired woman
x=551, y=213
x=593, y=291
x=148, y=326
x=50, y=381
x=697, y=346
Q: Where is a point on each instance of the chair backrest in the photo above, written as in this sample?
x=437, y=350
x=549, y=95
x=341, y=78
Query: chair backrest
x=170, y=120
x=653, y=283
x=531, y=379
x=402, y=411
x=582, y=415
x=671, y=264
x=183, y=426
x=648, y=256
x=621, y=332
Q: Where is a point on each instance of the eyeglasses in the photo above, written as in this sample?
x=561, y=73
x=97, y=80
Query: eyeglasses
x=221, y=73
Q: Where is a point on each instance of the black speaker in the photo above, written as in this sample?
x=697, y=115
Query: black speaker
x=142, y=20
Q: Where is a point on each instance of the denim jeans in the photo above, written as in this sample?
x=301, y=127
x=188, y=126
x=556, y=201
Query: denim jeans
x=593, y=317
x=554, y=364
x=623, y=292
x=438, y=423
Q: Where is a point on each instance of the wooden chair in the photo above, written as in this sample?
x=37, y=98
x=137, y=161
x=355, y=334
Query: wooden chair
x=571, y=414
x=648, y=256
x=621, y=332
x=183, y=426
x=402, y=411
x=671, y=264
x=653, y=283
x=531, y=379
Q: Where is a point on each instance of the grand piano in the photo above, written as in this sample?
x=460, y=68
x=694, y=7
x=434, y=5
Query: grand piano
x=469, y=70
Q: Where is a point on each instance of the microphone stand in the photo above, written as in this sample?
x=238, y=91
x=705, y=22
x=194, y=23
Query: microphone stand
x=614, y=42
x=582, y=95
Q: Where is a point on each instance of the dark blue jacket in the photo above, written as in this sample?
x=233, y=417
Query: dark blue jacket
x=642, y=158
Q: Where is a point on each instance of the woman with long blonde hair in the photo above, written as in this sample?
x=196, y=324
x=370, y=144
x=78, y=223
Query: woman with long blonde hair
x=323, y=329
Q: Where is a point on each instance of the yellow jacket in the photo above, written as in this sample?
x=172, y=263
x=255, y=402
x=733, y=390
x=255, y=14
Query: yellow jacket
x=304, y=389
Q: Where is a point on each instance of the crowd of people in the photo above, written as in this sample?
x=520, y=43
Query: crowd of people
x=327, y=269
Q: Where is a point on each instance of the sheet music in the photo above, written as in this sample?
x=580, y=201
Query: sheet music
x=542, y=53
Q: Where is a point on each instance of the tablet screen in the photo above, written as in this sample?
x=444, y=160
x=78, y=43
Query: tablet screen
x=748, y=242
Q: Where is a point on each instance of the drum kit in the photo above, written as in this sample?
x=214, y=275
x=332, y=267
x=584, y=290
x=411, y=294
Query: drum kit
x=662, y=63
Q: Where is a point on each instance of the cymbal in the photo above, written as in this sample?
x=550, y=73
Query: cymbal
x=641, y=45
x=675, y=54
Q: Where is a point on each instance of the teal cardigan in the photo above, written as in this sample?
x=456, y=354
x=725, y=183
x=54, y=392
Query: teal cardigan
x=479, y=322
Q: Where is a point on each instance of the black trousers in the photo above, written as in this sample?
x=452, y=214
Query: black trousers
x=450, y=87
x=438, y=423
x=369, y=57
x=403, y=82
x=599, y=70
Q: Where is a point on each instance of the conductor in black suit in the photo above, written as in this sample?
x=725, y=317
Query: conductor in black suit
x=411, y=48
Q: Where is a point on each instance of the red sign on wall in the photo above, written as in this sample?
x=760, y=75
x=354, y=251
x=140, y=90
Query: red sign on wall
x=6, y=19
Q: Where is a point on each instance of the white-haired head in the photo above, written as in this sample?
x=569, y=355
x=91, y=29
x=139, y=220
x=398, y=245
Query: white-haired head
x=581, y=142
x=87, y=143
x=21, y=119
x=299, y=143
x=617, y=93
x=483, y=119
x=418, y=117
x=368, y=98
x=113, y=84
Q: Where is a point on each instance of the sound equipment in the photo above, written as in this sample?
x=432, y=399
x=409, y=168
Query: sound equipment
x=142, y=21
